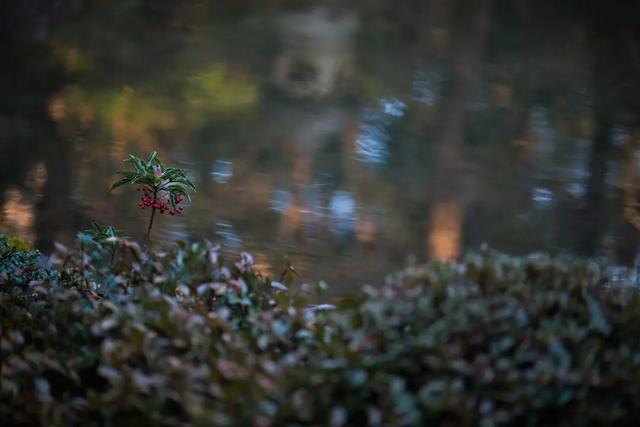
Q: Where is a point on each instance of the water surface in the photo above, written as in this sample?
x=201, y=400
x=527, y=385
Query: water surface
x=343, y=136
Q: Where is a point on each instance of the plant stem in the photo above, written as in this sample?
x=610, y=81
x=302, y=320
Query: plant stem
x=153, y=213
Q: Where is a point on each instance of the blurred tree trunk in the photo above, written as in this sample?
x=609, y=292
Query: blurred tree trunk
x=615, y=94
x=55, y=215
x=469, y=30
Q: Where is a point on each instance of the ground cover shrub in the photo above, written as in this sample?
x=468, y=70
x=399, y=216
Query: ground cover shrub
x=178, y=336
x=20, y=265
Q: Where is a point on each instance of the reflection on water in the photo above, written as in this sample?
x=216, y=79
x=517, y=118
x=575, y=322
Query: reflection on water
x=18, y=214
x=443, y=235
x=374, y=136
x=344, y=137
x=315, y=50
x=222, y=171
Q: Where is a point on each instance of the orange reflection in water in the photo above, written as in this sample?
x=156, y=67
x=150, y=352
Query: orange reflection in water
x=444, y=235
x=262, y=265
x=291, y=221
x=366, y=230
x=17, y=215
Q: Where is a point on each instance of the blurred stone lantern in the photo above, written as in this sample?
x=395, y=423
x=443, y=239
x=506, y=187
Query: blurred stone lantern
x=316, y=55
x=316, y=51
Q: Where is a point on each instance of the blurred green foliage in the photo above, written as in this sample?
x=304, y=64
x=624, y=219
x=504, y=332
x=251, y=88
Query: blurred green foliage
x=12, y=242
x=179, y=337
x=134, y=110
x=217, y=90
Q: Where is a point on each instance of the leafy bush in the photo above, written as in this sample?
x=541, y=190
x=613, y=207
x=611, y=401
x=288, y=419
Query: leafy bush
x=19, y=265
x=176, y=337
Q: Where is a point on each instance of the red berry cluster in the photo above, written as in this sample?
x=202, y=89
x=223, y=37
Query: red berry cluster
x=161, y=205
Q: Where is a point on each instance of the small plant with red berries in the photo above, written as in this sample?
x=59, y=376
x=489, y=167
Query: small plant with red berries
x=164, y=189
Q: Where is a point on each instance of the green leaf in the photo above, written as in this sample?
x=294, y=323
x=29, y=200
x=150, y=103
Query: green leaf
x=152, y=157
x=120, y=182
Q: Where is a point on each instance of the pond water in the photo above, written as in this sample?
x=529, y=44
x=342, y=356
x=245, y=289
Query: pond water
x=346, y=137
